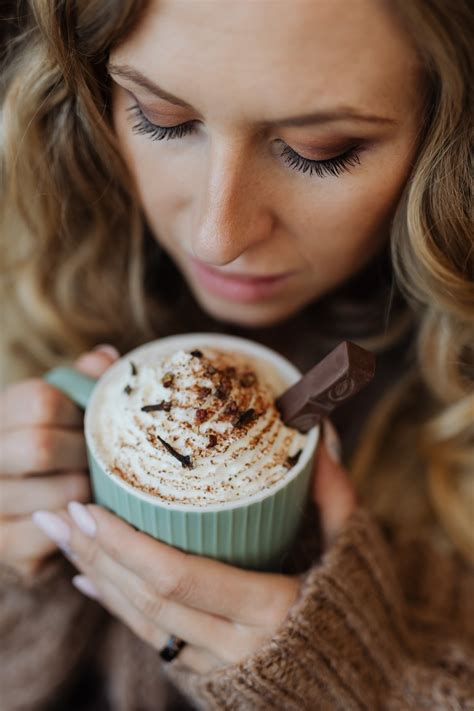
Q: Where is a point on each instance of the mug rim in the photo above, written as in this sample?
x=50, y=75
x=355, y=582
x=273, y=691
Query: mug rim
x=289, y=372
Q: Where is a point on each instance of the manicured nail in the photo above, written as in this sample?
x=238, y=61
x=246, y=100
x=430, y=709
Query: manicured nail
x=332, y=441
x=52, y=526
x=84, y=585
x=69, y=554
x=82, y=518
x=107, y=348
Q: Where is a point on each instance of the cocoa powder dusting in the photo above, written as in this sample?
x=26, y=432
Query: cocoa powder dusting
x=201, y=415
x=234, y=401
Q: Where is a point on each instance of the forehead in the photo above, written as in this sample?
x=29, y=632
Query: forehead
x=257, y=58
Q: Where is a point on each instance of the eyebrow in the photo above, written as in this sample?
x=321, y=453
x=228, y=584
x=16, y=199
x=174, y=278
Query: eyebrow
x=135, y=76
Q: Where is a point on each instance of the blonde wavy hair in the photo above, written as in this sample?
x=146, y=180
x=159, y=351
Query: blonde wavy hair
x=67, y=194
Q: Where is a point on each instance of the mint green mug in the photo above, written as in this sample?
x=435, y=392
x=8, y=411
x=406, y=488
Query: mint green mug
x=250, y=533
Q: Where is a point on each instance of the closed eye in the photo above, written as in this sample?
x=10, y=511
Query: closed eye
x=334, y=167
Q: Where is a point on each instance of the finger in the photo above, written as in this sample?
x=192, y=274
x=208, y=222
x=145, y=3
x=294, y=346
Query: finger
x=95, y=363
x=20, y=498
x=214, y=634
x=119, y=605
x=208, y=585
x=41, y=449
x=332, y=489
x=21, y=540
x=34, y=402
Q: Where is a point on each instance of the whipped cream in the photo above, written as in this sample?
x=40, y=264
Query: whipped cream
x=196, y=426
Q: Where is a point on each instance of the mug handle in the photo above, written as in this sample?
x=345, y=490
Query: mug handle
x=75, y=385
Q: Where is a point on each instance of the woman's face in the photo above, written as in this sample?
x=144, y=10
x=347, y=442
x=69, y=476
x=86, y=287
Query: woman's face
x=297, y=131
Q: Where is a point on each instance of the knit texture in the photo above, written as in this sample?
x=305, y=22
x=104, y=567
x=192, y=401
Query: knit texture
x=352, y=641
x=46, y=634
x=382, y=622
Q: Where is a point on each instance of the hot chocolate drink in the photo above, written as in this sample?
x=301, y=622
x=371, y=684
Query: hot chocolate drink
x=194, y=426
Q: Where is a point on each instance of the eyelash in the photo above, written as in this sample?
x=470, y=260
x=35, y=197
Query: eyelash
x=331, y=166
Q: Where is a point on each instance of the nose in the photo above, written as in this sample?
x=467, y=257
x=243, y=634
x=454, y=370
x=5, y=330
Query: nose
x=232, y=213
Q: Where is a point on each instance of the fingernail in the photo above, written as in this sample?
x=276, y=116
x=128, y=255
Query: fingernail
x=84, y=585
x=82, y=518
x=107, y=348
x=332, y=441
x=52, y=526
x=69, y=554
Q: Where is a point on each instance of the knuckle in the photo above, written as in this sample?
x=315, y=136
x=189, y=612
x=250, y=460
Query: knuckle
x=177, y=587
x=230, y=655
x=244, y=641
x=78, y=487
x=146, y=629
x=247, y=642
x=272, y=617
x=148, y=602
x=113, y=548
x=88, y=555
x=47, y=400
x=41, y=447
x=278, y=606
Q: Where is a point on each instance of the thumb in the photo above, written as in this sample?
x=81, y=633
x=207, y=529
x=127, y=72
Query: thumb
x=96, y=362
x=332, y=491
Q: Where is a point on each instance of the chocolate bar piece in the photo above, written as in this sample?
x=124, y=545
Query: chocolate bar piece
x=339, y=376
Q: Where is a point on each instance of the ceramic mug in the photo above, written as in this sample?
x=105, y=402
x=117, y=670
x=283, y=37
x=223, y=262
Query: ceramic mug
x=253, y=532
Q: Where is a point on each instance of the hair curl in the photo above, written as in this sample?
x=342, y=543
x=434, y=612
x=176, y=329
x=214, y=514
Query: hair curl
x=66, y=194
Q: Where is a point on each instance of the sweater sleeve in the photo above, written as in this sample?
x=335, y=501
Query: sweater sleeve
x=45, y=629
x=358, y=637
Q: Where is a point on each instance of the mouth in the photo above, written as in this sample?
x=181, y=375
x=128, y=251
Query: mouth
x=238, y=286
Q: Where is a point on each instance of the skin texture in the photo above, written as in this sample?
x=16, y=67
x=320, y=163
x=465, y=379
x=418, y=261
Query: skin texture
x=223, y=193
x=223, y=613
x=43, y=461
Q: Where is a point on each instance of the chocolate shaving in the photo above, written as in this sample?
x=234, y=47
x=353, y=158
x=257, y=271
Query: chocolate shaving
x=196, y=353
x=223, y=389
x=163, y=405
x=292, y=460
x=204, y=392
x=133, y=368
x=210, y=370
x=185, y=459
x=212, y=441
x=230, y=371
x=127, y=389
x=231, y=408
x=244, y=418
x=201, y=415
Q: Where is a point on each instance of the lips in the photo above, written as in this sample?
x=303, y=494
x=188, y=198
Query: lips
x=237, y=286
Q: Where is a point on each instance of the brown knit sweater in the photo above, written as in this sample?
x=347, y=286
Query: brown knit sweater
x=384, y=621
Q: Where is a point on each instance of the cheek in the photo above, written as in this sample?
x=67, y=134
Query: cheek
x=331, y=225
x=348, y=218
x=161, y=185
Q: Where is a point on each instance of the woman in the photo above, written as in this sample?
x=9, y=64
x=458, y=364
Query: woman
x=315, y=169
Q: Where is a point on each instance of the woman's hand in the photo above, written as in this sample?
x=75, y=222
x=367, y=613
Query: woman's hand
x=42, y=461
x=224, y=613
